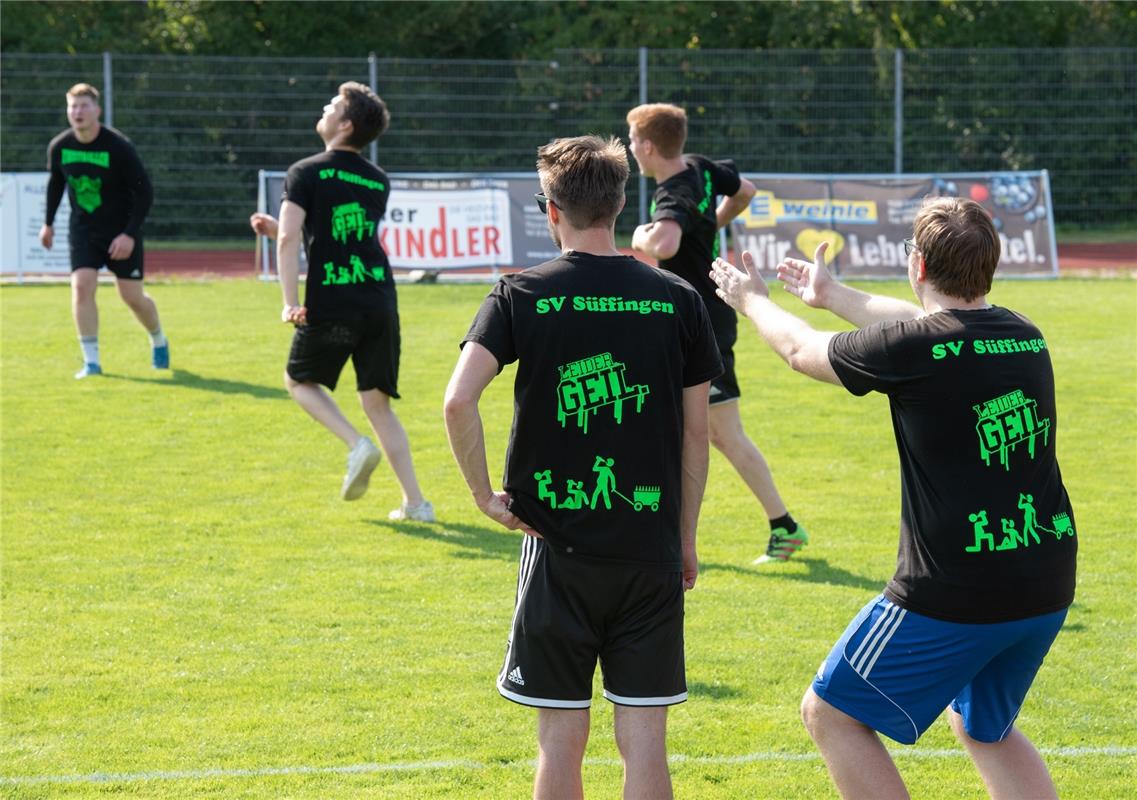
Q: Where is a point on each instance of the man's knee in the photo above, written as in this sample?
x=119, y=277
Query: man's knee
x=816, y=714
x=563, y=732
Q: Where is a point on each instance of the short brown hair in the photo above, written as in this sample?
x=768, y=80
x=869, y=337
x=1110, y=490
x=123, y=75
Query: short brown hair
x=584, y=177
x=959, y=244
x=663, y=124
x=84, y=90
x=366, y=112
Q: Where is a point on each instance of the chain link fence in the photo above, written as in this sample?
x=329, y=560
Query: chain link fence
x=206, y=125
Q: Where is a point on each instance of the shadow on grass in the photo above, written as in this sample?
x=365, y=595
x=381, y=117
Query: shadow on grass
x=715, y=691
x=470, y=541
x=818, y=570
x=191, y=380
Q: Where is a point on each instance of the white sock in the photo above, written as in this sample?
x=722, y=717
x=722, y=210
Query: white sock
x=157, y=338
x=90, y=346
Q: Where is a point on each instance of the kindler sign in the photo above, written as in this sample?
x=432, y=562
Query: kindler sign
x=866, y=218
x=450, y=221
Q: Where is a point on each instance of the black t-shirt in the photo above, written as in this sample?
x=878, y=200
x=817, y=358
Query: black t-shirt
x=605, y=347
x=688, y=199
x=344, y=196
x=987, y=533
x=108, y=187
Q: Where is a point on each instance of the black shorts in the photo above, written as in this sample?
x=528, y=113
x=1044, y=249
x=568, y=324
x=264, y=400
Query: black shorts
x=92, y=252
x=724, y=388
x=571, y=611
x=319, y=351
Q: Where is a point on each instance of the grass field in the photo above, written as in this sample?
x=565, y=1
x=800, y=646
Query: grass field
x=190, y=611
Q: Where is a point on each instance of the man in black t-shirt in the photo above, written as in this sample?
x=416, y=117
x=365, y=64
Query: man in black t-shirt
x=986, y=564
x=336, y=199
x=110, y=195
x=683, y=237
x=604, y=472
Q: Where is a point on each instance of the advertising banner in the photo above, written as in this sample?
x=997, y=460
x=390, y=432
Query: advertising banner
x=23, y=205
x=450, y=221
x=866, y=218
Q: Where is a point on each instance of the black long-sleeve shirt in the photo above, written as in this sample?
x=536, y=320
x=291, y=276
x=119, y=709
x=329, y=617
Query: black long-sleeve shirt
x=109, y=189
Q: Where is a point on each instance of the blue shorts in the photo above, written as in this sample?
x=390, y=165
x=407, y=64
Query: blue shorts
x=896, y=671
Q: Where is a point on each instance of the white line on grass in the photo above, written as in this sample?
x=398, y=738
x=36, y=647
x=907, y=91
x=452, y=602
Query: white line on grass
x=426, y=766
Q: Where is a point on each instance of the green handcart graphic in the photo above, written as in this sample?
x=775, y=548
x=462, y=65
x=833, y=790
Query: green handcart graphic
x=642, y=496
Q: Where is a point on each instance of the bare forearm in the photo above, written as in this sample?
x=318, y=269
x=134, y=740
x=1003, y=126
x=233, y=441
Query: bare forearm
x=468, y=444
x=729, y=208
x=696, y=457
x=288, y=265
x=806, y=350
x=862, y=308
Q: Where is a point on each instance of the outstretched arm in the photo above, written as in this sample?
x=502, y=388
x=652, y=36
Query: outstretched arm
x=803, y=348
x=817, y=288
x=696, y=455
x=475, y=369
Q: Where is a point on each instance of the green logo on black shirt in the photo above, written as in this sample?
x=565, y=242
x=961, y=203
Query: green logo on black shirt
x=1012, y=537
x=88, y=191
x=348, y=219
x=357, y=273
x=100, y=158
x=589, y=384
x=1005, y=423
x=576, y=498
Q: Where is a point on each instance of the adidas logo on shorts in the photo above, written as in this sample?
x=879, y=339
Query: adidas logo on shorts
x=515, y=676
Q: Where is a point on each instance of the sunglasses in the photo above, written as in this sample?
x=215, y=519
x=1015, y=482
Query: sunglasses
x=909, y=246
x=542, y=202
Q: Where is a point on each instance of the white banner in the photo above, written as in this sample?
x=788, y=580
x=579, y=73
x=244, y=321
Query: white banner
x=444, y=229
x=23, y=206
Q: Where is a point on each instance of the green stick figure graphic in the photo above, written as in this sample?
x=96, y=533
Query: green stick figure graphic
x=605, y=481
x=1010, y=536
x=576, y=496
x=979, y=525
x=543, y=480
x=1030, y=518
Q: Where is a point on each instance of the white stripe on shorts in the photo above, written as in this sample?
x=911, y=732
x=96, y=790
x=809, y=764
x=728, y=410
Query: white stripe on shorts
x=530, y=548
x=880, y=634
x=646, y=701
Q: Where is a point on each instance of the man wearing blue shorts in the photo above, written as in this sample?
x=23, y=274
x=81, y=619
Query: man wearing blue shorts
x=985, y=569
x=604, y=472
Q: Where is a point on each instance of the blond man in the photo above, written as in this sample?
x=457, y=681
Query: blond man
x=683, y=237
x=110, y=195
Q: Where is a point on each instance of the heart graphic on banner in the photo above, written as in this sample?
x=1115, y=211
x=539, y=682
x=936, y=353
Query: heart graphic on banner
x=809, y=238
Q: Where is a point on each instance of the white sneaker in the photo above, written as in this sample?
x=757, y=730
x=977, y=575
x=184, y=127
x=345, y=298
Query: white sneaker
x=361, y=462
x=423, y=512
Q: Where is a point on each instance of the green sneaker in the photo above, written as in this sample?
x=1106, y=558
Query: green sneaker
x=782, y=545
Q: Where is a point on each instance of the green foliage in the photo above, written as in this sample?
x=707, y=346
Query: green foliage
x=183, y=591
x=532, y=29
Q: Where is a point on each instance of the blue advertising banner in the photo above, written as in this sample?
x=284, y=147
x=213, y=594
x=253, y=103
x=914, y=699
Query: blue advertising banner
x=866, y=218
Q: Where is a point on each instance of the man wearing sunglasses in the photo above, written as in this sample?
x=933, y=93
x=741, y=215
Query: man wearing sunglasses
x=986, y=564
x=604, y=472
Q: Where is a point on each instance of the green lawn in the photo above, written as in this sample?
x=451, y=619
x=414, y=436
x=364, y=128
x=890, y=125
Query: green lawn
x=189, y=610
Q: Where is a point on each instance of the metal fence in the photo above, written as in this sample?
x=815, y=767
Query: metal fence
x=206, y=125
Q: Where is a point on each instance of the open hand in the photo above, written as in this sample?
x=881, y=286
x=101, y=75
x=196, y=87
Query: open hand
x=737, y=286
x=809, y=282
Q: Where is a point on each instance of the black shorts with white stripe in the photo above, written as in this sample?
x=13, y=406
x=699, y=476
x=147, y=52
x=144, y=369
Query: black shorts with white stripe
x=572, y=611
